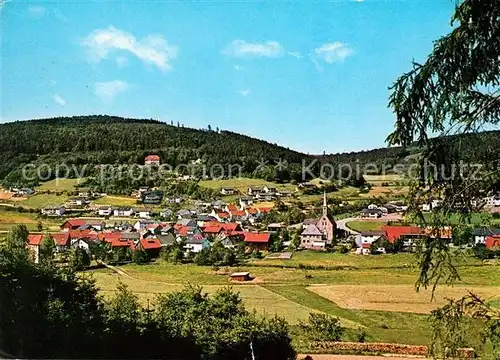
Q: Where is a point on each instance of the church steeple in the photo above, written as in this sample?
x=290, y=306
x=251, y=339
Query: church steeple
x=325, y=207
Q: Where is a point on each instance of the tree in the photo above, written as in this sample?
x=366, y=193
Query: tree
x=139, y=256
x=47, y=249
x=16, y=241
x=455, y=91
x=322, y=327
x=79, y=259
x=295, y=241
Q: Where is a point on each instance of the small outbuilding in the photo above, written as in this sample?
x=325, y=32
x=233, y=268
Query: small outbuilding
x=240, y=276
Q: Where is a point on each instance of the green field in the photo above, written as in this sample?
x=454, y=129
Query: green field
x=113, y=200
x=11, y=218
x=284, y=287
x=242, y=184
x=60, y=184
x=39, y=201
x=370, y=225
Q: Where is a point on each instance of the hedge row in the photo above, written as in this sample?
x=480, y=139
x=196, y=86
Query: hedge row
x=385, y=348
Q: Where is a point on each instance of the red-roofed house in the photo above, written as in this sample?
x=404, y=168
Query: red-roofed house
x=152, y=160
x=72, y=224
x=393, y=233
x=492, y=241
x=238, y=215
x=223, y=216
x=151, y=245
x=231, y=208
x=212, y=230
x=62, y=240
x=34, y=241
x=257, y=240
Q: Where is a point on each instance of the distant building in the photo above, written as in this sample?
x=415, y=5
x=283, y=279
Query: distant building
x=53, y=211
x=319, y=232
x=152, y=160
x=227, y=190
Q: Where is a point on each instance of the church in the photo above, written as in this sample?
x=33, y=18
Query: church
x=318, y=233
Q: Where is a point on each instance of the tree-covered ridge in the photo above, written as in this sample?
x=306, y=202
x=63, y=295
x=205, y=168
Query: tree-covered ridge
x=102, y=139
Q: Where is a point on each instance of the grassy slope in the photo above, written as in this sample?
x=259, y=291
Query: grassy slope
x=60, y=184
x=242, y=184
x=295, y=301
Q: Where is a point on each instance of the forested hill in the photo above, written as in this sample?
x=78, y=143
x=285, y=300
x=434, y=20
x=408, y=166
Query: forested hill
x=101, y=139
x=111, y=140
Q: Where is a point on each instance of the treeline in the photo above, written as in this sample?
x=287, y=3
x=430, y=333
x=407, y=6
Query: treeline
x=100, y=139
x=57, y=313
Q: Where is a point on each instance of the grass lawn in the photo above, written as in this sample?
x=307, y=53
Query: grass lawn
x=398, y=298
x=60, y=184
x=242, y=184
x=369, y=225
x=369, y=292
x=116, y=201
x=39, y=201
x=380, y=326
x=343, y=193
x=255, y=297
x=11, y=218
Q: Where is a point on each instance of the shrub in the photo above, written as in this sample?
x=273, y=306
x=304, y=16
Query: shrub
x=361, y=336
x=322, y=327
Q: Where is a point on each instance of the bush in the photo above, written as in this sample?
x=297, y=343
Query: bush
x=322, y=327
x=140, y=256
x=361, y=336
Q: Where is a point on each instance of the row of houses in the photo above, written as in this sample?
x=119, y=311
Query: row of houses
x=374, y=211
x=150, y=236
x=259, y=193
x=375, y=241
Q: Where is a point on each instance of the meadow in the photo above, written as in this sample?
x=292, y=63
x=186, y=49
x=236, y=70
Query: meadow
x=60, y=184
x=372, y=293
x=370, y=225
x=10, y=218
x=242, y=184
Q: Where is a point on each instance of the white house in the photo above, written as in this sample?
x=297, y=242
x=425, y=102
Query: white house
x=269, y=189
x=196, y=243
x=105, y=211
x=123, y=212
x=144, y=213
x=142, y=224
x=54, y=211
x=80, y=243
x=227, y=190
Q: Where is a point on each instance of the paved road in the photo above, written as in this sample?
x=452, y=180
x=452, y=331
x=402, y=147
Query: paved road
x=341, y=224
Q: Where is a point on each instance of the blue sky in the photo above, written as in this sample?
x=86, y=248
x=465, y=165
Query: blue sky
x=312, y=76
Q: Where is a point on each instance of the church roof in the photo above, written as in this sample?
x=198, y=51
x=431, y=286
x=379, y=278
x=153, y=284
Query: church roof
x=312, y=230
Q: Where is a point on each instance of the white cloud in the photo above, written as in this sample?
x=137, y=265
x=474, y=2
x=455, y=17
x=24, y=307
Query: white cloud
x=333, y=52
x=59, y=100
x=237, y=67
x=108, y=90
x=244, y=92
x=241, y=48
x=295, y=54
x=152, y=49
x=36, y=11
